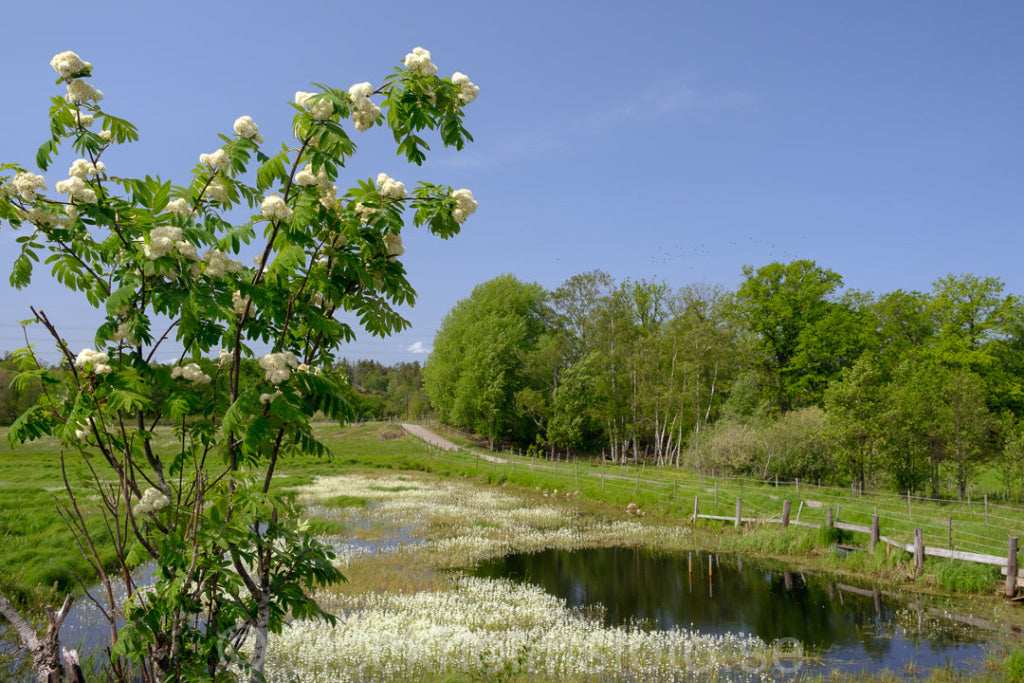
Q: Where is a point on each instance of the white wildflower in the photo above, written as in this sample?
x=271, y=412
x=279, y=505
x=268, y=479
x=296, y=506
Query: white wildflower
x=218, y=160
x=152, y=501
x=321, y=109
x=187, y=250
x=123, y=333
x=105, y=135
x=247, y=128
x=275, y=209
x=277, y=366
x=419, y=60
x=84, y=120
x=389, y=187
x=269, y=398
x=467, y=91
x=464, y=205
x=67, y=64
x=192, y=372
x=223, y=357
x=95, y=360
x=76, y=189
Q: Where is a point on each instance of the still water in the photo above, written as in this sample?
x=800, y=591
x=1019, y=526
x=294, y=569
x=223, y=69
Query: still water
x=849, y=627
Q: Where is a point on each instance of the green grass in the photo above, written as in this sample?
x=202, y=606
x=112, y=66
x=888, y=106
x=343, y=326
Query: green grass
x=964, y=577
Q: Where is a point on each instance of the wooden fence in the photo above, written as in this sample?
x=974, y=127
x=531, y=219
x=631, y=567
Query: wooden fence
x=1008, y=564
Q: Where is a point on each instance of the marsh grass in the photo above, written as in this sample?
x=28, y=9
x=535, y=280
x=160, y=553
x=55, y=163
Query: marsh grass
x=964, y=577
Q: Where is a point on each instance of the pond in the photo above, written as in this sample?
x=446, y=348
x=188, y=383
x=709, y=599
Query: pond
x=849, y=627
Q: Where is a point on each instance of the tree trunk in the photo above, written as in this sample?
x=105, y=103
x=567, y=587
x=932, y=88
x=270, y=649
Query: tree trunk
x=47, y=655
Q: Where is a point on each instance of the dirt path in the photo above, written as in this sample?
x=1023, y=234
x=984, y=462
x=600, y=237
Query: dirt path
x=442, y=443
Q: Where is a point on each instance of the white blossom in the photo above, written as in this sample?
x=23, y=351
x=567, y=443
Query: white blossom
x=192, y=372
x=419, y=60
x=218, y=160
x=105, y=135
x=223, y=357
x=240, y=303
x=96, y=360
x=67, y=64
x=394, y=245
x=467, y=90
x=364, y=111
x=123, y=334
x=464, y=205
x=275, y=209
x=84, y=120
x=80, y=92
x=247, y=128
x=277, y=366
x=162, y=241
x=389, y=187
x=321, y=109
x=152, y=501
x=218, y=263
x=26, y=185
x=181, y=207
x=83, y=168
x=269, y=398
x=216, y=193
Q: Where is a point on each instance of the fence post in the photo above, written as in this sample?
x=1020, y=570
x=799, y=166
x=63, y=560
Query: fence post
x=950, y=541
x=828, y=518
x=637, y=489
x=1011, y=568
x=785, y=514
x=739, y=504
x=799, y=510
x=918, y=550
x=874, y=531
x=696, y=507
x=798, y=484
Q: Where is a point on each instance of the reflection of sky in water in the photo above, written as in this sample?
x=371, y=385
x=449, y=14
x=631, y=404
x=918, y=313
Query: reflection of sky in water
x=853, y=628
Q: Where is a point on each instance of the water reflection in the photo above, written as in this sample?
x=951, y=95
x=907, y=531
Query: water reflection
x=853, y=627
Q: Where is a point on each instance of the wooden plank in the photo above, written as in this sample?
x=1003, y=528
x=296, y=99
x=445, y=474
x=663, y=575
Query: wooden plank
x=966, y=557
x=852, y=527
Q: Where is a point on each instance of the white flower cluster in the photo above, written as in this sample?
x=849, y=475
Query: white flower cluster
x=394, y=245
x=216, y=193
x=419, y=60
x=83, y=168
x=389, y=187
x=218, y=263
x=275, y=209
x=247, y=128
x=321, y=108
x=181, y=207
x=25, y=185
x=278, y=366
x=97, y=360
x=241, y=304
x=464, y=205
x=44, y=218
x=269, y=397
x=467, y=90
x=83, y=431
x=123, y=334
x=165, y=239
x=84, y=120
x=364, y=111
x=192, y=372
x=328, y=191
x=80, y=92
x=76, y=190
x=366, y=213
x=67, y=64
x=152, y=501
x=218, y=160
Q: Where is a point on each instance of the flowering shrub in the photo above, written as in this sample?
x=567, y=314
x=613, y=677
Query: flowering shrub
x=230, y=553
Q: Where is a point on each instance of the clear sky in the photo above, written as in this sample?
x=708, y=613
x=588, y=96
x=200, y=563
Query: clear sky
x=675, y=141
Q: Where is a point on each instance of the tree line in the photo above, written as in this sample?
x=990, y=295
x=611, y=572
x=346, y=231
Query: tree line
x=788, y=376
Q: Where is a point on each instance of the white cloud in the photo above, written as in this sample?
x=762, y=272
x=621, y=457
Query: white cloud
x=418, y=348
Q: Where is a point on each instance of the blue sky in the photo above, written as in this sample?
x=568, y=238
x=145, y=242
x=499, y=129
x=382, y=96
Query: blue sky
x=674, y=141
